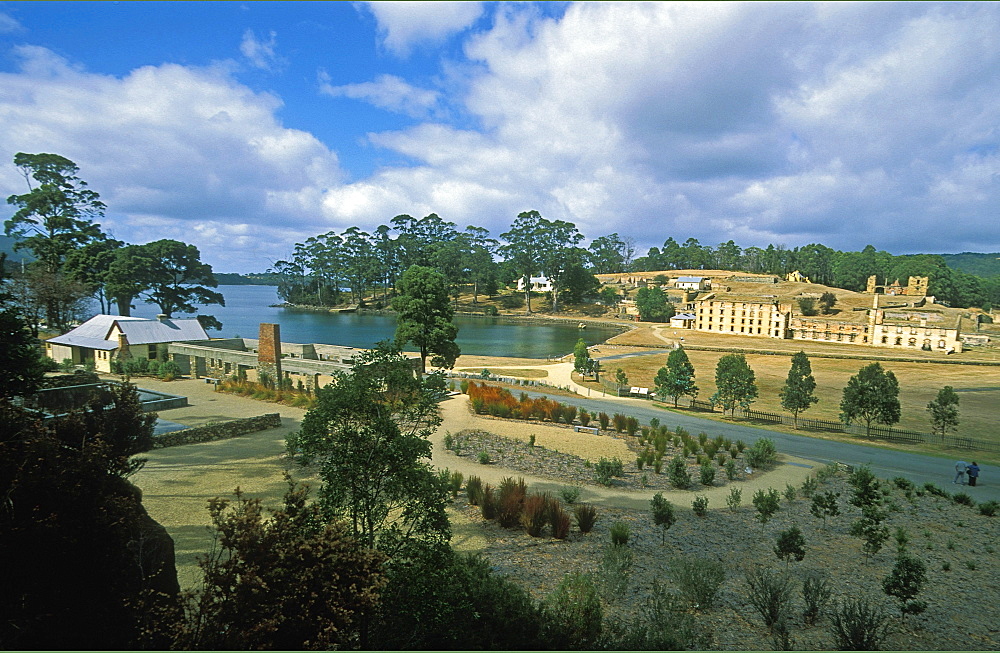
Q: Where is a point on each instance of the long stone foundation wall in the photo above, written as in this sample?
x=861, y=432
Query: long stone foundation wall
x=223, y=431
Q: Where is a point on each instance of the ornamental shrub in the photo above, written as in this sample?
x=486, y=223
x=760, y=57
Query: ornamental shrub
x=586, y=516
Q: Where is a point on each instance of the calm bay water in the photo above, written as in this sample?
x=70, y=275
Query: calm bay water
x=247, y=306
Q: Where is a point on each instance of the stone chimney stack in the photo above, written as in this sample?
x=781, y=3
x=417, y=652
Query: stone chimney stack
x=123, y=351
x=269, y=351
x=161, y=317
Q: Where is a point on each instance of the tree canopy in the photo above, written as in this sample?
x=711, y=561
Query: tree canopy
x=944, y=411
x=735, y=383
x=368, y=435
x=174, y=278
x=676, y=378
x=653, y=305
x=871, y=396
x=797, y=393
x=425, y=316
x=56, y=215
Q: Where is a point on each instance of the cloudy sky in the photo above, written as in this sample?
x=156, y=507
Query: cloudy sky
x=243, y=128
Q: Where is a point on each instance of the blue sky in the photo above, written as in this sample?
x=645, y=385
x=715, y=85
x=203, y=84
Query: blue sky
x=246, y=127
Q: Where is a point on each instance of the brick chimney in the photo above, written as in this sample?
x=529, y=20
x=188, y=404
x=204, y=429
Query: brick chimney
x=269, y=351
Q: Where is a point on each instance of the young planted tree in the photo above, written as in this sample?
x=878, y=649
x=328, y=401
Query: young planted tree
x=425, y=315
x=825, y=505
x=663, y=514
x=797, y=393
x=871, y=396
x=766, y=503
x=676, y=378
x=907, y=578
x=621, y=379
x=581, y=357
x=790, y=544
x=944, y=411
x=735, y=383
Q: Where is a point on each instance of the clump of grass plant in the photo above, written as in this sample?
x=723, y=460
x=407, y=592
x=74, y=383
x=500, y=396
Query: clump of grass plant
x=586, y=517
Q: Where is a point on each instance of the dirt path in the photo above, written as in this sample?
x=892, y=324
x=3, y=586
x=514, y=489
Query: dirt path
x=458, y=416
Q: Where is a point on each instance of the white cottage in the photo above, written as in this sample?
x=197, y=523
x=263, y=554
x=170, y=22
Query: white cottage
x=105, y=337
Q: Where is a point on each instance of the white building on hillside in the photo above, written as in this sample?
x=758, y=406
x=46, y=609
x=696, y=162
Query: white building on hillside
x=538, y=284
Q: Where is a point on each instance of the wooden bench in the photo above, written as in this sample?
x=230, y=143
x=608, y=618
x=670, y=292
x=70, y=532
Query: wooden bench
x=593, y=430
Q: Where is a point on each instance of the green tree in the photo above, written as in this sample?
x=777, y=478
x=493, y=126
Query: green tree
x=90, y=265
x=368, y=435
x=621, y=378
x=797, y=393
x=559, y=253
x=735, y=383
x=676, y=378
x=663, y=514
x=790, y=544
x=826, y=302
x=581, y=357
x=871, y=529
x=907, y=578
x=523, y=249
x=766, y=503
x=653, y=305
x=577, y=283
x=290, y=581
x=425, y=316
x=479, y=261
x=610, y=254
x=56, y=215
x=807, y=306
x=872, y=396
x=173, y=277
x=825, y=505
x=944, y=411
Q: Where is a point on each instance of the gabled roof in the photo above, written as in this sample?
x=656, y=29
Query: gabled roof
x=95, y=333
x=690, y=279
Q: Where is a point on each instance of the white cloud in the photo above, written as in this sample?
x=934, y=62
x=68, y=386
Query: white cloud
x=403, y=25
x=8, y=23
x=261, y=54
x=387, y=92
x=172, y=147
x=771, y=123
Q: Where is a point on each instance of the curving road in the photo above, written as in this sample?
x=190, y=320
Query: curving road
x=885, y=463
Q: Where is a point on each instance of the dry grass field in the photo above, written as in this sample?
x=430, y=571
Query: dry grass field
x=978, y=385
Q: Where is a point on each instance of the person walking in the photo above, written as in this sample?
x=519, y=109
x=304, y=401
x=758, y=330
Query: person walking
x=960, y=468
x=973, y=472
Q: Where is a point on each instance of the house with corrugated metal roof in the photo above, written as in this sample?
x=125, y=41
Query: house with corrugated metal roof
x=692, y=283
x=104, y=338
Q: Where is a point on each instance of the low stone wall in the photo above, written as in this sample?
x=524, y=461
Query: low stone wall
x=222, y=431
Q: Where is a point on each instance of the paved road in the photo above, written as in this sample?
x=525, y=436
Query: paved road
x=886, y=463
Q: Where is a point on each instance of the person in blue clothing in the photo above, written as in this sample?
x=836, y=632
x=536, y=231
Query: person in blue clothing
x=973, y=472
